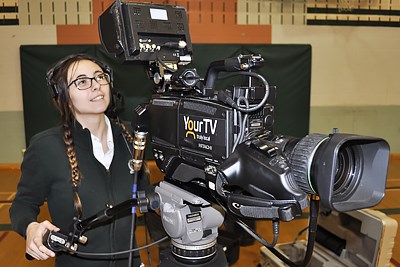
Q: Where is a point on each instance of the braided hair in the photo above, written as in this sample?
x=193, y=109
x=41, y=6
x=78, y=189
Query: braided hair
x=57, y=80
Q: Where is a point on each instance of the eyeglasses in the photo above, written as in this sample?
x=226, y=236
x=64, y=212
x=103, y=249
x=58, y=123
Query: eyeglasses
x=86, y=82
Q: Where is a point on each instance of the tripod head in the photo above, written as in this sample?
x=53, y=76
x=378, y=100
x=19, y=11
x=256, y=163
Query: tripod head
x=191, y=223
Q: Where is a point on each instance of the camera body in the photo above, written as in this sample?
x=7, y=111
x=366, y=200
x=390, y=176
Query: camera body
x=201, y=133
x=221, y=142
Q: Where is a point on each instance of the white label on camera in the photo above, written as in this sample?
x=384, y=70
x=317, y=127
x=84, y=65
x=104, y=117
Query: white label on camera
x=160, y=14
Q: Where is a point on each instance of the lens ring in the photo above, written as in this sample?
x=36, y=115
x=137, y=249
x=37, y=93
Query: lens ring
x=301, y=159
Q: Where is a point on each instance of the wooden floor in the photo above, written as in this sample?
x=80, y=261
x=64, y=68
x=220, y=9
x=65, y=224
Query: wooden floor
x=12, y=246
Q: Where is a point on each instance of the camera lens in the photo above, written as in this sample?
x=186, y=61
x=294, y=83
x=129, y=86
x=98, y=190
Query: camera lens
x=308, y=162
x=347, y=172
x=302, y=158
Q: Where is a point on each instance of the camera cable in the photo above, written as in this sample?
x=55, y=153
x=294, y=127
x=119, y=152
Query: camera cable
x=299, y=234
x=312, y=226
x=242, y=122
x=224, y=96
x=312, y=232
x=251, y=232
x=109, y=254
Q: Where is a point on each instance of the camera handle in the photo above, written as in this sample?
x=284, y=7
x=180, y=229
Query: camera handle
x=57, y=241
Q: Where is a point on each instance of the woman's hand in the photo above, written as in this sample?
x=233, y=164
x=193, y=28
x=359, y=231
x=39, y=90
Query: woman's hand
x=34, y=240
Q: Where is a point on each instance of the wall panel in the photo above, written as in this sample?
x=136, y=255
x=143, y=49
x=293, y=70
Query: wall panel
x=352, y=66
x=12, y=138
x=52, y=12
x=11, y=38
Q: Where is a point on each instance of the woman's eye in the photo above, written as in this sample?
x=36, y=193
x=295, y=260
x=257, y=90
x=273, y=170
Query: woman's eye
x=101, y=77
x=82, y=82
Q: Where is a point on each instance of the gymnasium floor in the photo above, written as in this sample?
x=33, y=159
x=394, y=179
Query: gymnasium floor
x=12, y=246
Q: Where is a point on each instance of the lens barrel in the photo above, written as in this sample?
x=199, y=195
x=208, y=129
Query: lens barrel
x=347, y=171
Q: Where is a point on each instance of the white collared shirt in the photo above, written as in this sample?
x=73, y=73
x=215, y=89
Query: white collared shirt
x=104, y=158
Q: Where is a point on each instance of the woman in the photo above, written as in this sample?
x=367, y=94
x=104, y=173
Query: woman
x=79, y=168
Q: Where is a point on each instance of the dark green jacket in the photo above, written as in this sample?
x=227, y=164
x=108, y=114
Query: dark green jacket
x=46, y=176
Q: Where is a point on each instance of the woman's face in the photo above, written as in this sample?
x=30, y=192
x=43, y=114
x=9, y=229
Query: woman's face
x=92, y=101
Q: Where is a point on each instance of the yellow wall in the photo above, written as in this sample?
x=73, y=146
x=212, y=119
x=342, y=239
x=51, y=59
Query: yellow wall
x=10, y=75
x=351, y=66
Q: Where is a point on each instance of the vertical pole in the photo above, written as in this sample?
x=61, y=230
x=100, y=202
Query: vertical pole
x=139, y=145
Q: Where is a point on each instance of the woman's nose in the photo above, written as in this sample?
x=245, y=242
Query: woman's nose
x=95, y=85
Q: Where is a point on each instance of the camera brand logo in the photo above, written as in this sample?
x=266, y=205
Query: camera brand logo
x=200, y=129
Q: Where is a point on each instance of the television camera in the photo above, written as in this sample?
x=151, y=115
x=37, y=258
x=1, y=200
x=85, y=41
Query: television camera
x=218, y=146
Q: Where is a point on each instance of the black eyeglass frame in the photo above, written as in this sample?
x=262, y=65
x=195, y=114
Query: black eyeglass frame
x=96, y=77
